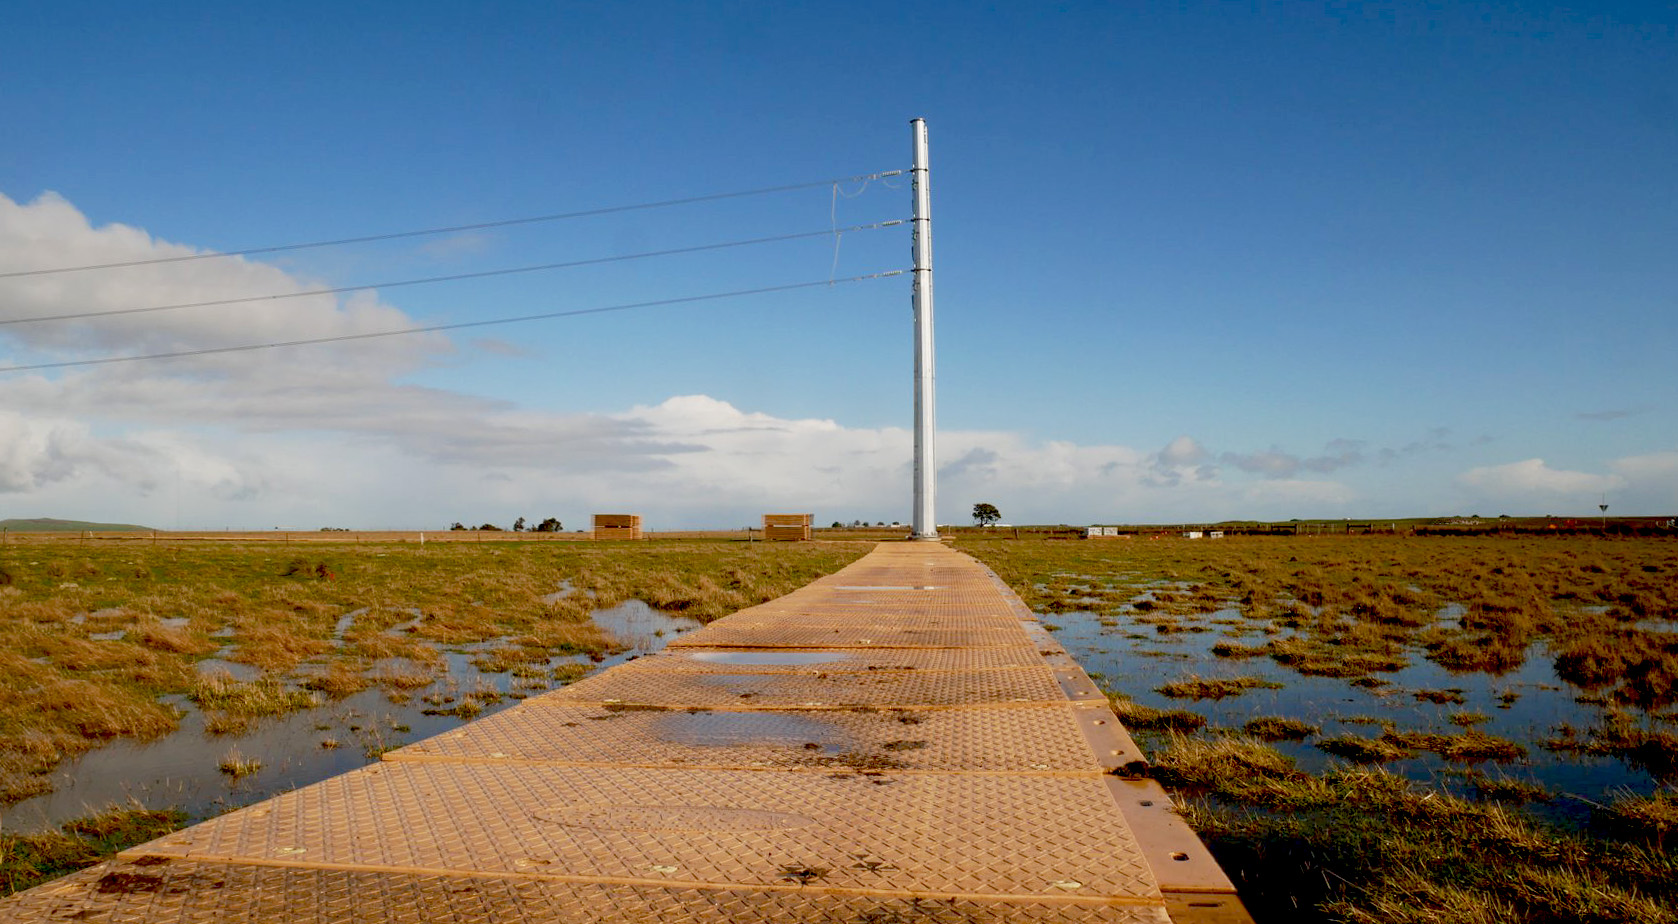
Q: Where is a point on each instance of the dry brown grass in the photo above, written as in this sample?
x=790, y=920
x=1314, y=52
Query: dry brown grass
x=1363, y=750
x=276, y=606
x=403, y=677
x=275, y=648
x=1623, y=736
x=1214, y=687
x=237, y=765
x=1653, y=818
x=339, y=680
x=1467, y=747
x=29, y=860
x=234, y=702
x=1274, y=728
x=1137, y=717
x=1356, y=603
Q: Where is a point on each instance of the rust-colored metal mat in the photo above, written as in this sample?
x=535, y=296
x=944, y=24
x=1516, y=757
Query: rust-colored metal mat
x=149, y=889
x=706, y=659
x=643, y=682
x=1040, y=739
x=896, y=742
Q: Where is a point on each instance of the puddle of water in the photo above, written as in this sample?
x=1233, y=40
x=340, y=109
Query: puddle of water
x=566, y=589
x=344, y=623
x=766, y=657
x=182, y=770
x=220, y=665
x=641, y=628
x=1136, y=666
x=409, y=625
x=737, y=729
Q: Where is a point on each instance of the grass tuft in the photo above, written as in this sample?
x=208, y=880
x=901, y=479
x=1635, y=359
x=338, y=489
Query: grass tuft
x=237, y=765
x=1364, y=750
x=1275, y=728
x=1218, y=688
x=1652, y=818
x=219, y=691
x=31, y=859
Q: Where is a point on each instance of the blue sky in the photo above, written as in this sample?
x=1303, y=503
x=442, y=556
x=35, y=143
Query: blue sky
x=1194, y=261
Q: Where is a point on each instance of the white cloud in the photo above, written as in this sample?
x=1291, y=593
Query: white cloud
x=35, y=452
x=1531, y=479
x=49, y=232
x=1184, y=450
x=1182, y=459
x=1273, y=463
x=1650, y=483
x=339, y=435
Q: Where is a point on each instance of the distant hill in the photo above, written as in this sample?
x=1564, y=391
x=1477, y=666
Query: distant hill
x=49, y=525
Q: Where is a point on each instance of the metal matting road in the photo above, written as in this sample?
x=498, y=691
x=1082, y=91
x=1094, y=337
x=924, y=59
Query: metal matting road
x=899, y=742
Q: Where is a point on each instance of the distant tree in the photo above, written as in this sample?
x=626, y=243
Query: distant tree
x=986, y=514
x=518, y=525
x=837, y=524
x=457, y=526
x=489, y=528
x=550, y=525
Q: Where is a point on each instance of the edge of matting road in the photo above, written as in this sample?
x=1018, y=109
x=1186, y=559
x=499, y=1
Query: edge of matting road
x=901, y=741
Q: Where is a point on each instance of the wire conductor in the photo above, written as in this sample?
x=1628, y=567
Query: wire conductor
x=456, y=276
x=478, y=226
x=461, y=325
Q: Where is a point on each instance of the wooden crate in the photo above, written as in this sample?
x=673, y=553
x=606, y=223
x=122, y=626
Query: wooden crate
x=617, y=526
x=786, y=526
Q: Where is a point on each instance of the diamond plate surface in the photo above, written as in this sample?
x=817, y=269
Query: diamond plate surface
x=898, y=742
x=959, y=834
x=833, y=632
x=981, y=597
x=991, y=617
x=701, y=659
x=635, y=683
x=1032, y=739
x=927, y=605
x=162, y=891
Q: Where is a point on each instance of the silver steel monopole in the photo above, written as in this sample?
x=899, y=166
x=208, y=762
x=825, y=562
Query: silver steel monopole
x=926, y=465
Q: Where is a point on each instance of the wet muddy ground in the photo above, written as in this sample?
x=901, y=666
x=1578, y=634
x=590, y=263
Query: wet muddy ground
x=183, y=770
x=1525, y=705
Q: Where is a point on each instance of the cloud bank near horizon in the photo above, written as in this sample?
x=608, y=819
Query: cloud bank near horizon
x=342, y=435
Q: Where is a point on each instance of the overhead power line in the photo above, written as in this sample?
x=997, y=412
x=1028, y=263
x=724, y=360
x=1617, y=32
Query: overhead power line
x=455, y=277
x=462, y=325
x=478, y=226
